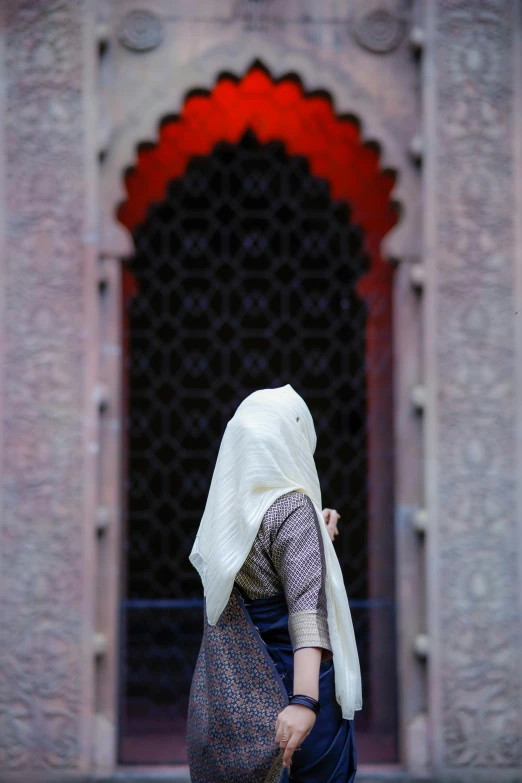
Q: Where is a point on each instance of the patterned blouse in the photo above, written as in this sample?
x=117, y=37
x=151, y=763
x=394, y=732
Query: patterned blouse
x=287, y=556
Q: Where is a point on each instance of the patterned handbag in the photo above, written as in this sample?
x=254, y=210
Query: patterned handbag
x=235, y=698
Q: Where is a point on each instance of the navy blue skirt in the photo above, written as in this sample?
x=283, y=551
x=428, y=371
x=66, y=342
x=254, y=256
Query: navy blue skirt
x=328, y=754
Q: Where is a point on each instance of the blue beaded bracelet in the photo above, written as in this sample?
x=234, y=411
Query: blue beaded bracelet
x=305, y=701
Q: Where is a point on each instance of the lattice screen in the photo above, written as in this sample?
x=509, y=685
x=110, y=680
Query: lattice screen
x=245, y=276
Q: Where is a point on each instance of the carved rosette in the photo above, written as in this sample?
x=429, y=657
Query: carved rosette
x=42, y=461
x=378, y=25
x=480, y=632
x=140, y=31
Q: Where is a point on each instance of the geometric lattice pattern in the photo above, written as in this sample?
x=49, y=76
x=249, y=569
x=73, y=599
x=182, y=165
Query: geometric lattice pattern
x=245, y=278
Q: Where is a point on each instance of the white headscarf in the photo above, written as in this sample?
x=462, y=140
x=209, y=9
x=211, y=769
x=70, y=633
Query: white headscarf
x=266, y=451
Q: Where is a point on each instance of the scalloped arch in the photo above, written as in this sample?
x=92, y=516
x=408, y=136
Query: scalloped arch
x=308, y=125
x=273, y=109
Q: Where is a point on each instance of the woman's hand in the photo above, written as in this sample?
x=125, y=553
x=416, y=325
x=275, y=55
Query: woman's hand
x=295, y=723
x=330, y=517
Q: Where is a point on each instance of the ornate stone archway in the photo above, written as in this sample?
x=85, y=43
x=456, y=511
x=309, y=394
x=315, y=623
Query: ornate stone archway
x=308, y=127
x=350, y=98
x=385, y=160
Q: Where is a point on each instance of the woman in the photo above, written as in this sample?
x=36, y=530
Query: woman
x=277, y=679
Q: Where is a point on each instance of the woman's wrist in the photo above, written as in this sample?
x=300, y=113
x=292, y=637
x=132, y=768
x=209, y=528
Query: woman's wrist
x=305, y=701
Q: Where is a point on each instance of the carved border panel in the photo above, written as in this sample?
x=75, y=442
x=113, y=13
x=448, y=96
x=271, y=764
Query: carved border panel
x=142, y=91
x=43, y=608
x=478, y=670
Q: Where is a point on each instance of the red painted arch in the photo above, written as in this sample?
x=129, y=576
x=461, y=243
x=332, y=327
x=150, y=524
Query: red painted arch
x=308, y=126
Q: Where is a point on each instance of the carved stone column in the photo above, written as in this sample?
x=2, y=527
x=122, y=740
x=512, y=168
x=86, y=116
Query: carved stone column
x=471, y=447
x=48, y=365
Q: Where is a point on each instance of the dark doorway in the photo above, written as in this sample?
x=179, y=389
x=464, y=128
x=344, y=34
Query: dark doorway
x=244, y=278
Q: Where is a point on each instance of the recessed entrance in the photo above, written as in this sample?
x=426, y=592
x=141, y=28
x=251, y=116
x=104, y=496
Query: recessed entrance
x=248, y=273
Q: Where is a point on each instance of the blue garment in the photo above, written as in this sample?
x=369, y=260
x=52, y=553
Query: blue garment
x=328, y=755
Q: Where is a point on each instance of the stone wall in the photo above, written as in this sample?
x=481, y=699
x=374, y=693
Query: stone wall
x=471, y=322
x=47, y=421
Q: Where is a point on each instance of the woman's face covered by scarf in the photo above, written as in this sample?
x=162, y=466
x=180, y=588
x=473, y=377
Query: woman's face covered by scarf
x=279, y=417
x=266, y=451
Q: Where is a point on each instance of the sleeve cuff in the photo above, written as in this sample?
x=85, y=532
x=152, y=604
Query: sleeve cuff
x=309, y=629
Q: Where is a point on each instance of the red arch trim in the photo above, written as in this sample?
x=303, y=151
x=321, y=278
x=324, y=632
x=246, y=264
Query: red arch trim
x=308, y=126
x=279, y=110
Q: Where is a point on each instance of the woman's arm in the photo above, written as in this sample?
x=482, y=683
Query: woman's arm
x=297, y=554
x=306, y=671
x=296, y=722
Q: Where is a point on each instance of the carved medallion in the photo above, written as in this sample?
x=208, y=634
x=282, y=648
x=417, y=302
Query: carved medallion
x=378, y=29
x=141, y=31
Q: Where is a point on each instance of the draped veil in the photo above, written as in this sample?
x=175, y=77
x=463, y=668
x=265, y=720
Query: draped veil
x=267, y=450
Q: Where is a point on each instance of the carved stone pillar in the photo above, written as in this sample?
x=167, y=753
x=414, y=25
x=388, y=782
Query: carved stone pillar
x=471, y=347
x=48, y=367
